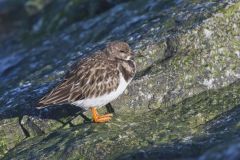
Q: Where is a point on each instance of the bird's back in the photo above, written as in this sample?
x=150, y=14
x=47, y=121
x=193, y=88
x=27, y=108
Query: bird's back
x=91, y=77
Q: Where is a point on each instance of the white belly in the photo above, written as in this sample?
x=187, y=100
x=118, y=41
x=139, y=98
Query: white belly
x=103, y=99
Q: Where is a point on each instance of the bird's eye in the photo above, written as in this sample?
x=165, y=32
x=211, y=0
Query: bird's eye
x=123, y=51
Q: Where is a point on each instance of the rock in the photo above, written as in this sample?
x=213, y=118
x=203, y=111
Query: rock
x=187, y=81
x=11, y=134
x=179, y=131
x=49, y=16
x=230, y=152
x=35, y=6
x=8, y=7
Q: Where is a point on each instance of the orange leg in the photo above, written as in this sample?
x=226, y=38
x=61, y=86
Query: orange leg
x=100, y=118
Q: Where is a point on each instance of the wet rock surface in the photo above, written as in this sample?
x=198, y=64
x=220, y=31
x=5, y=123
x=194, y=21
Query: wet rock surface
x=183, y=102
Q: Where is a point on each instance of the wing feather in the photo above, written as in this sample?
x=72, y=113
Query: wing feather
x=90, y=78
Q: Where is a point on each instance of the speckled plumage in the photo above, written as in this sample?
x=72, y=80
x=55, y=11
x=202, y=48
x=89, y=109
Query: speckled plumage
x=96, y=80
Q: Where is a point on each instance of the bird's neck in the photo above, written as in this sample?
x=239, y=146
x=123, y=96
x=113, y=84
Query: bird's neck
x=128, y=69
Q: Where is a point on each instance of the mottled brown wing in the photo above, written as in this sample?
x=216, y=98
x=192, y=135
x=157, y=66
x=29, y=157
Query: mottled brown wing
x=91, y=78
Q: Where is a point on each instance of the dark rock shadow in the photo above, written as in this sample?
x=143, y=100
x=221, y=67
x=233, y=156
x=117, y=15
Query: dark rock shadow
x=27, y=107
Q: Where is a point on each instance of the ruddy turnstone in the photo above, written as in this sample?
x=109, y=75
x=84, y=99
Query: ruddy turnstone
x=95, y=81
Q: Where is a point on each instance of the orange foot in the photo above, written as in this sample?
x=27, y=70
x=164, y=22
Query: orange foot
x=100, y=118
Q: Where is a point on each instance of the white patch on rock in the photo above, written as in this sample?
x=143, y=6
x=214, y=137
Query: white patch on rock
x=237, y=75
x=229, y=73
x=235, y=26
x=207, y=33
x=79, y=53
x=149, y=96
x=219, y=15
x=237, y=53
x=60, y=73
x=141, y=93
x=208, y=82
x=187, y=139
x=232, y=73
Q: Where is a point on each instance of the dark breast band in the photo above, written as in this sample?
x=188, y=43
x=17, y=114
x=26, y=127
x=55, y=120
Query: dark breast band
x=127, y=69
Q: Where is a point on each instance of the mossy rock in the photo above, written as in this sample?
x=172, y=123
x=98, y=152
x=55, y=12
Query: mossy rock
x=128, y=133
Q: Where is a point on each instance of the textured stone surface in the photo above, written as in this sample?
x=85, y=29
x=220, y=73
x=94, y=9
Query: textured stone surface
x=187, y=82
x=185, y=129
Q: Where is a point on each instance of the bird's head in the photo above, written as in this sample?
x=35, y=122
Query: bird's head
x=119, y=50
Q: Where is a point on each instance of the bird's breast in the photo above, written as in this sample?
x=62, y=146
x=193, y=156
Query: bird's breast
x=105, y=98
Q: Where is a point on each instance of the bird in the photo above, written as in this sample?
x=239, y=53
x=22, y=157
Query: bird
x=95, y=81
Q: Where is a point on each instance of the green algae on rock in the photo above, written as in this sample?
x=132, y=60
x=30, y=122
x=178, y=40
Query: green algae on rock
x=182, y=122
x=206, y=58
